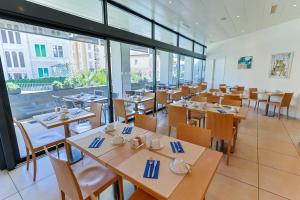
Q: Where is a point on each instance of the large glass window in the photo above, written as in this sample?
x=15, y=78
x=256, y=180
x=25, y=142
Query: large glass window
x=123, y=20
x=197, y=70
x=132, y=69
x=185, y=43
x=166, y=69
x=89, y=9
x=185, y=70
x=198, y=48
x=40, y=85
x=3, y=35
x=165, y=35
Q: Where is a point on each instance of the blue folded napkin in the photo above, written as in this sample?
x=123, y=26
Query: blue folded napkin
x=49, y=118
x=176, y=147
x=221, y=111
x=97, y=142
x=127, y=130
x=152, y=169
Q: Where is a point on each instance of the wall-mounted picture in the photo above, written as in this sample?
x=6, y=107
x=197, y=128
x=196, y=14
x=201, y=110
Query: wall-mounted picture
x=281, y=65
x=245, y=62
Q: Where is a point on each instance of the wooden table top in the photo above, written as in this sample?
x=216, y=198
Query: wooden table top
x=168, y=185
x=200, y=107
x=85, y=97
x=74, y=114
x=267, y=93
x=137, y=99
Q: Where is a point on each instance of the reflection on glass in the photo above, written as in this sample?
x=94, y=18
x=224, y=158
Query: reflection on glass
x=185, y=70
x=50, y=69
x=89, y=9
x=198, y=48
x=166, y=69
x=197, y=70
x=165, y=36
x=123, y=20
x=185, y=43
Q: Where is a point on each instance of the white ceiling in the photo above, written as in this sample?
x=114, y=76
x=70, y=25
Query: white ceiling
x=201, y=19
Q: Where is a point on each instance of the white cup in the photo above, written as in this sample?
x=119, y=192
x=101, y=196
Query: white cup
x=155, y=143
x=179, y=164
x=117, y=139
x=110, y=127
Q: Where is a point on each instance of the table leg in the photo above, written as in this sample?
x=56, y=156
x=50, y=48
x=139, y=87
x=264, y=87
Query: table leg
x=73, y=155
x=267, y=106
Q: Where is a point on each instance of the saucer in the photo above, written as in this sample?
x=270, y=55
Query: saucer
x=111, y=141
x=161, y=146
x=177, y=171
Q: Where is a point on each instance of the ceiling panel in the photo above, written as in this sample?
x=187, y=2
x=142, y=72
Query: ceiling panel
x=202, y=19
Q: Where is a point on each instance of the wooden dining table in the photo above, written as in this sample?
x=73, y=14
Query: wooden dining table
x=130, y=163
x=136, y=100
x=268, y=95
x=53, y=120
x=86, y=98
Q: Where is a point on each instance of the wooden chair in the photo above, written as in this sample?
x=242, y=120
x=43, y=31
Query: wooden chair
x=240, y=88
x=141, y=195
x=213, y=99
x=200, y=116
x=222, y=127
x=199, y=99
x=284, y=103
x=177, y=115
x=86, y=183
x=121, y=111
x=185, y=92
x=35, y=144
x=148, y=105
x=195, y=135
x=203, y=86
x=253, y=96
x=93, y=122
x=176, y=96
x=232, y=97
x=223, y=88
x=214, y=90
x=145, y=122
x=205, y=94
x=231, y=102
x=162, y=98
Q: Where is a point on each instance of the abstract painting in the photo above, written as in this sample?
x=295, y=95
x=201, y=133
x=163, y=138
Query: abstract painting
x=281, y=65
x=245, y=62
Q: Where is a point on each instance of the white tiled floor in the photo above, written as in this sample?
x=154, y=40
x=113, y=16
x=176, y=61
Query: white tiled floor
x=265, y=165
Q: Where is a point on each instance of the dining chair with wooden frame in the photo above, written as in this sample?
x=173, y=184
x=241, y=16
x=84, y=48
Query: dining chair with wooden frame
x=176, y=96
x=200, y=116
x=203, y=86
x=185, y=92
x=284, y=103
x=87, y=183
x=92, y=123
x=36, y=144
x=145, y=122
x=253, y=96
x=205, y=94
x=231, y=102
x=213, y=99
x=199, y=99
x=240, y=88
x=121, y=111
x=214, y=90
x=162, y=99
x=222, y=127
x=148, y=105
x=176, y=115
x=194, y=135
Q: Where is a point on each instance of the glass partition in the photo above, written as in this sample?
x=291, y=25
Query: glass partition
x=165, y=35
x=185, y=43
x=124, y=20
x=185, y=75
x=197, y=70
x=43, y=72
x=198, y=48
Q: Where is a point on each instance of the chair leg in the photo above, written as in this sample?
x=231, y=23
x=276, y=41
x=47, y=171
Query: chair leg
x=63, y=196
x=27, y=159
x=169, y=130
x=249, y=103
x=287, y=112
x=57, y=150
x=228, y=151
x=34, y=166
x=121, y=192
x=255, y=105
x=279, y=109
x=274, y=110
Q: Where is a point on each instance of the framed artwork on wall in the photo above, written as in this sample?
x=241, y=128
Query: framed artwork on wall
x=281, y=65
x=245, y=62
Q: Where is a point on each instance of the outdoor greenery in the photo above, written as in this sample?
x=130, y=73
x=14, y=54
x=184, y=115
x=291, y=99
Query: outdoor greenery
x=39, y=80
x=136, y=77
x=11, y=86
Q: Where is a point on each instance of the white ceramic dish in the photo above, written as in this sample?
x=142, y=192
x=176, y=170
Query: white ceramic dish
x=177, y=171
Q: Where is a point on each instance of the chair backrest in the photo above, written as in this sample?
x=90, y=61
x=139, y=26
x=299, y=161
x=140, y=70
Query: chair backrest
x=237, y=91
x=96, y=108
x=231, y=102
x=205, y=94
x=253, y=93
x=240, y=88
x=223, y=89
x=129, y=92
x=177, y=96
x=119, y=108
x=176, y=115
x=221, y=125
x=25, y=135
x=193, y=134
x=222, y=85
x=161, y=97
x=213, y=99
x=214, y=90
x=150, y=103
x=286, y=99
x=146, y=122
x=232, y=97
x=185, y=91
x=66, y=179
x=199, y=98
x=68, y=103
x=203, y=86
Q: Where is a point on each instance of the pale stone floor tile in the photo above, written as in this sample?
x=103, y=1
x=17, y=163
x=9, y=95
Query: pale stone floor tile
x=277, y=146
x=7, y=187
x=245, y=152
x=14, y=197
x=264, y=195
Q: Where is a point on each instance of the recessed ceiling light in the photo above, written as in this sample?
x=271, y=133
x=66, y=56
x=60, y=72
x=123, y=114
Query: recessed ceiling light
x=197, y=23
x=170, y=2
x=243, y=31
x=237, y=16
x=295, y=5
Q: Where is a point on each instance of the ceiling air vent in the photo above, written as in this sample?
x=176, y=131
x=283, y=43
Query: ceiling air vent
x=273, y=9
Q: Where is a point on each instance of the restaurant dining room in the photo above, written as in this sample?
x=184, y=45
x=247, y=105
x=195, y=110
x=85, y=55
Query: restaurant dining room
x=149, y=100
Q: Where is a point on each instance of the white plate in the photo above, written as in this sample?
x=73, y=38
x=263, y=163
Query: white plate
x=176, y=171
x=155, y=149
x=111, y=141
x=111, y=130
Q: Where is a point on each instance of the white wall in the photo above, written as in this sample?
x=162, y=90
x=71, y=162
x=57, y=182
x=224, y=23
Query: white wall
x=261, y=45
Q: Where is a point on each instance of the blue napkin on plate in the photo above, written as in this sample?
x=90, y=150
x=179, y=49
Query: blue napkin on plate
x=97, y=142
x=176, y=147
x=221, y=111
x=152, y=169
x=127, y=130
x=49, y=118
